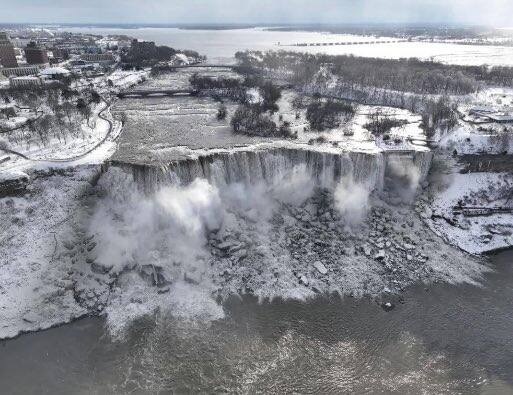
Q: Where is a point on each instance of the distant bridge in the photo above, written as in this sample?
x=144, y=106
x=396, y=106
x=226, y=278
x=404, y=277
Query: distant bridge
x=193, y=66
x=326, y=44
x=202, y=65
x=142, y=93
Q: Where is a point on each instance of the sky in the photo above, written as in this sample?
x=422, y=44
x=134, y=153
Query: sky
x=477, y=12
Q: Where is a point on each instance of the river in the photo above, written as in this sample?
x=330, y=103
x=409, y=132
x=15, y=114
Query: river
x=441, y=339
x=221, y=45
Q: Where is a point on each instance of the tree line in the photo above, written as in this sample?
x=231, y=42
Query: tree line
x=403, y=75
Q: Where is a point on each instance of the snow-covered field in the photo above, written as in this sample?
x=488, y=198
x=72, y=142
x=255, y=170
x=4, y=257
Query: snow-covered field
x=469, y=139
x=13, y=122
x=352, y=135
x=470, y=55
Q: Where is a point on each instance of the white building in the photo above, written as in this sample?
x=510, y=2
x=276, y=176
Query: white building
x=25, y=82
x=54, y=72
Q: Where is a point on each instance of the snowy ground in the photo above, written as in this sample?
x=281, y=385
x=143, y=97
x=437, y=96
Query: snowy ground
x=36, y=274
x=95, y=141
x=93, y=145
x=353, y=135
x=471, y=139
x=13, y=122
x=473, y=234
x=480, y=136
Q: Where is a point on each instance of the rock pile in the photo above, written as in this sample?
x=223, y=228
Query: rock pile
x=311, y=246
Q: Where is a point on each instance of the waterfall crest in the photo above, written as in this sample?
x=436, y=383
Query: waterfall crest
x=269, y=165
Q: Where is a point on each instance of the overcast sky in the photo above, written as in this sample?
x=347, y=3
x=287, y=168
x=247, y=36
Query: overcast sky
x=488, y=12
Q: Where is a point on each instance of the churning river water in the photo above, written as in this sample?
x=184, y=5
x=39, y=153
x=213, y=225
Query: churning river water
x=439, y=339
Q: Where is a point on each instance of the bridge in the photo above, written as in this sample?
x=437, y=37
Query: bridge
x=193, y=66
x=202, y=65
x=142, y=93
x=326, y=44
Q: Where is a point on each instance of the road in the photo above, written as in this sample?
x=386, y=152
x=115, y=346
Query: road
x=75, y=157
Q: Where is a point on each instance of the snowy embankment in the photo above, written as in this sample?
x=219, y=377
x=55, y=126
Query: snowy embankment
x=37, y=274
x=94, y=144
x=468, y=139
x=13, y=122
x=474, y=234
x=44, y=277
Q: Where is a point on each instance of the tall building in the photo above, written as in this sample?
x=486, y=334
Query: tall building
x=35, y=54
x=7, y=55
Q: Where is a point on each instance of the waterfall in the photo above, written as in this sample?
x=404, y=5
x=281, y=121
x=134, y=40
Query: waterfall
x=270, y=165
x=412, y=167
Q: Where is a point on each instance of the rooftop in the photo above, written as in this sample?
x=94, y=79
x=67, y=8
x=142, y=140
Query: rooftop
x=54, y=71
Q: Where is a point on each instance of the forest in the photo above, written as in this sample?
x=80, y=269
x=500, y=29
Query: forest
x=402, y=75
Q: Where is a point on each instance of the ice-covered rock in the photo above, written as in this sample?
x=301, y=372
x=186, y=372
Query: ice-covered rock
x=320, y=267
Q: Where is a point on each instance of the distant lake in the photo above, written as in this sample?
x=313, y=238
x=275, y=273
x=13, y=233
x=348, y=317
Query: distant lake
x=221, y=45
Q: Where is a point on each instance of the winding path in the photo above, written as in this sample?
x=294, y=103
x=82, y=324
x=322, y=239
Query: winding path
x=76, y=157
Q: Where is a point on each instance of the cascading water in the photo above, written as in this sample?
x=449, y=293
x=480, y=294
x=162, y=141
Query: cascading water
x=285, y=222
x=270, y=165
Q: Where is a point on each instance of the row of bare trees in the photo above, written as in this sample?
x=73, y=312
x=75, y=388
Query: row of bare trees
x=404, y=75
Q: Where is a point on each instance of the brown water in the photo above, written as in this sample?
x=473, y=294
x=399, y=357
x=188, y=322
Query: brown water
x=445, y=339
